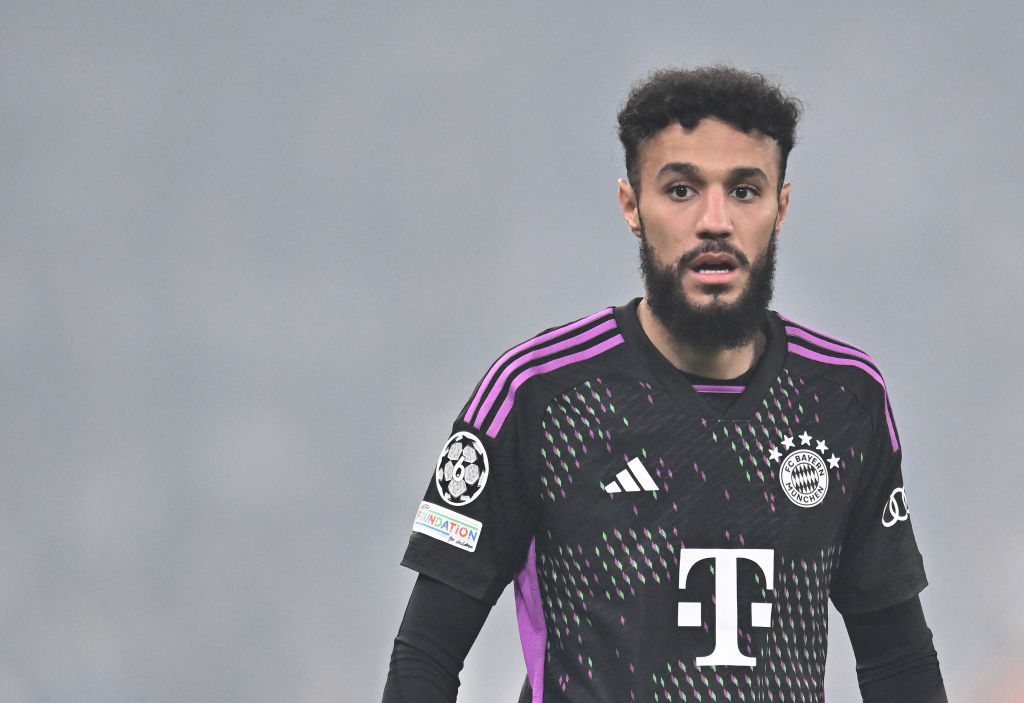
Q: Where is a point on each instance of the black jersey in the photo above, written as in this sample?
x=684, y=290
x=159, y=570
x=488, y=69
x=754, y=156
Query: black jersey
x=662, y=550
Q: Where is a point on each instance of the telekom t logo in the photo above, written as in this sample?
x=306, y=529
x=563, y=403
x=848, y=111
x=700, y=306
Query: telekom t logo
x=726, y=652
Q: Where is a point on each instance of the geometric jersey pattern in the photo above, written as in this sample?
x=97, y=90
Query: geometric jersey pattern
x=606, y=466
x=571, y=575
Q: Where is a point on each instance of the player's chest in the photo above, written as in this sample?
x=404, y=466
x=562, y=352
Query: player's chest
x=639, y=461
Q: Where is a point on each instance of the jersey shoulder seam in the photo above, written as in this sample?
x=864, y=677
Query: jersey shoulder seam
x=820, y=348
x=553, y=349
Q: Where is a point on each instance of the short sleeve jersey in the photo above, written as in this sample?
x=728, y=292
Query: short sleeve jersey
x=663, y=550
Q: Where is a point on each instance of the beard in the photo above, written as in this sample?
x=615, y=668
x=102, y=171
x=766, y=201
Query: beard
x=717, y=325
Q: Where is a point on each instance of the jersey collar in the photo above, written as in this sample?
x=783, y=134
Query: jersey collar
x=679, y=387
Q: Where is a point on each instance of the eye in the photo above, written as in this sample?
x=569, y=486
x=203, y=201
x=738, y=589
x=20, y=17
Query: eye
x=745, y=192
x=681, y=192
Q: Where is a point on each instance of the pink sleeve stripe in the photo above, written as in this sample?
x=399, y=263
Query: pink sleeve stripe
x=841, y=361
x=498, y=386
x=506, y=406
x=817, y=333
x=485, y=384
x=827, y=343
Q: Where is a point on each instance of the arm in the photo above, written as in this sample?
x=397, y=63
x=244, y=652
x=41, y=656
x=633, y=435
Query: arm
x=439, y=627
x=896, y=660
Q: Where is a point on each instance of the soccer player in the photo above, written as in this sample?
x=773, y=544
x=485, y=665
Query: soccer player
x=677, y=485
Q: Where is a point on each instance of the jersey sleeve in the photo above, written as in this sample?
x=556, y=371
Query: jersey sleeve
x=880, y=564
x=473, y=527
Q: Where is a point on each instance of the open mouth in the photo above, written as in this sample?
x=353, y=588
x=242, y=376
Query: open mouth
x=714, y=264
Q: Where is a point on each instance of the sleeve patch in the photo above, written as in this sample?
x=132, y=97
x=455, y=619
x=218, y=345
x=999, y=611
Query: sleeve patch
x=447, y=526
x=462, y=469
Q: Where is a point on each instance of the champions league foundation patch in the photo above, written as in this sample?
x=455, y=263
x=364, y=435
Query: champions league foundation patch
x=447, y=525
x=803, y=471
x=462, y=469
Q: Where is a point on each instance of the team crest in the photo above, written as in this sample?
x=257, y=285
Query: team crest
x=462, y=469
x=803, y=471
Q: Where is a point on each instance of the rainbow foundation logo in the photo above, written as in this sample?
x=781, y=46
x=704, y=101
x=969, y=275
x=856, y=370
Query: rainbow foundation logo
x=447, y=525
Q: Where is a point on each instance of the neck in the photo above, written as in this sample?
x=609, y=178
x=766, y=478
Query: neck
x=718, y=363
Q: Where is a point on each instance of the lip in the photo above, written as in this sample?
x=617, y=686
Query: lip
x=712, y=272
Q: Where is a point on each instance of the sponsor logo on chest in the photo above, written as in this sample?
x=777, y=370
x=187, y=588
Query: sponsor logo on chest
x=726, y=600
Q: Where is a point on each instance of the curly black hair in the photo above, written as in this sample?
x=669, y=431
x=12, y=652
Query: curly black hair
x=745, y=100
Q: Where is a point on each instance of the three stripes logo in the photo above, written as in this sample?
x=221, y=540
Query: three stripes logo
x=632, y=479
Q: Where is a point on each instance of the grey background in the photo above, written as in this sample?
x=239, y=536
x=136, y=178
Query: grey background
x=255, y=255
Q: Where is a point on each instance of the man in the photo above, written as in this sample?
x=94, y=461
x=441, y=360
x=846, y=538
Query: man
x=678, y=485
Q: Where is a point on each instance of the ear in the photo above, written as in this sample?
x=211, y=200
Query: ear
x=783, y=207
x=630, y=208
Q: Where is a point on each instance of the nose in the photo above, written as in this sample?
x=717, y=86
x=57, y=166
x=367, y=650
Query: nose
x=715, y=220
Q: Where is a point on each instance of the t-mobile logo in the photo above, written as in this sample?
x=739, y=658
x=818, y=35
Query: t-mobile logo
x=727, y=651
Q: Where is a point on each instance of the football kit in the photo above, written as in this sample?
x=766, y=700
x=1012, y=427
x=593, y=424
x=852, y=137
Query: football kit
x=672, y=541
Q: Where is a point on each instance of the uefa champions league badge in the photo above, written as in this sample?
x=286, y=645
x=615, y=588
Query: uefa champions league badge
x=462, y=469
x=803, y=470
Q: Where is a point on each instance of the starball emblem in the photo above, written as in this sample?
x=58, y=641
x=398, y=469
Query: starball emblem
x=462, y=469
x=803, y=470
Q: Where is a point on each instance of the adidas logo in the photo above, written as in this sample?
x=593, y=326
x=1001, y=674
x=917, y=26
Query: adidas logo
x=633, y=479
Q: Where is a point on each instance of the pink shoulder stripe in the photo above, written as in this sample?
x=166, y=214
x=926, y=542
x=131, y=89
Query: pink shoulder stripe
x=817, y=333
x=499, y=386
x=536, y=341
x=870, y=370
x=588, y=353
x=827, y=343
x=485, y=384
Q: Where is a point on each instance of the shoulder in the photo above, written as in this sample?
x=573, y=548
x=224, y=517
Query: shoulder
x=828, y=351
x=554, y=353
x=829, y=357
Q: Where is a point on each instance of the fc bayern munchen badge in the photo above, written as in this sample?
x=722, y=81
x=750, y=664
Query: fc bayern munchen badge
x=804, y=477
x=803, y=472
x=462, y=469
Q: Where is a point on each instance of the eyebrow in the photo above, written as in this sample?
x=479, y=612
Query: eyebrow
x=679, y=169
x=689, y=170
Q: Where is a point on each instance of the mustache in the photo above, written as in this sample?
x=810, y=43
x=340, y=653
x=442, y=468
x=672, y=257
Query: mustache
x=712, y=246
